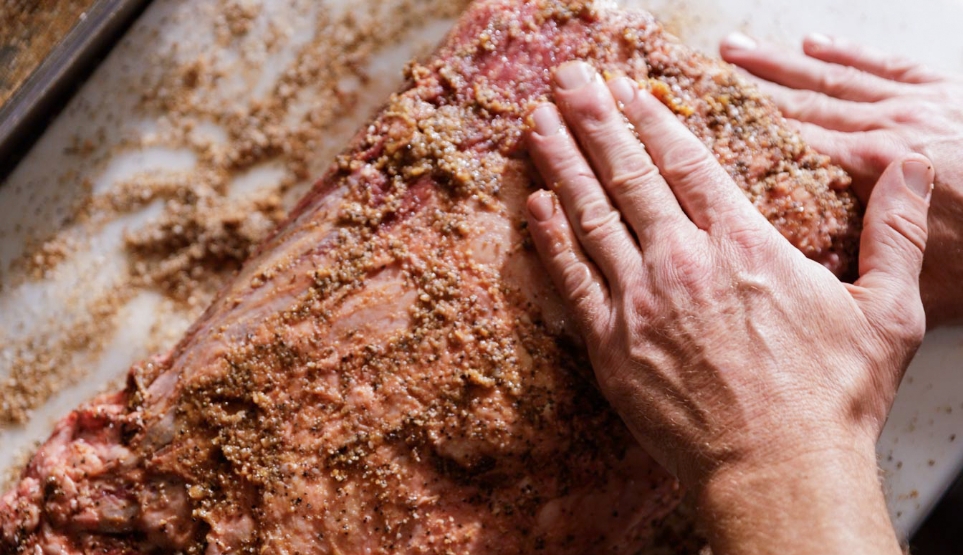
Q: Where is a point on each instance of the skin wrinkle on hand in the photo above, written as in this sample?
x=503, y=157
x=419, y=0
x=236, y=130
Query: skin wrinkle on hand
x=720, y=405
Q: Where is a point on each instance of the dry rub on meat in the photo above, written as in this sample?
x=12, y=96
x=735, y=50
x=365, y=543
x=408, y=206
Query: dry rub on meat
x=392, y=372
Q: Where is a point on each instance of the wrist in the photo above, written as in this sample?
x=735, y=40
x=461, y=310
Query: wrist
x=793, y=441
x=822, y=497
x=729, y=482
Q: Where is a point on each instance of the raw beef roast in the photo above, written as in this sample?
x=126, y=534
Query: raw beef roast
x=393, y=373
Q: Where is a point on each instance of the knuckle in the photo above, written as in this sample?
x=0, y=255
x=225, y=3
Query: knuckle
x=902, y=115
x=839, y=80
x=901, y=112
x=569, y=166
x=904, y=324
x=609, y=138
x=576, y=183
x=626, y=181
x=556, y=243
x=880, y=153
x=589, y=105
x=616, y=383
x=645, y=111
x=547, y=152
x=899, y=68
x=752, y=241
x=639, y=352
x=687, y=159
x=909, y=229
x=641, y=302
x=808, y=103
x=596, y=217
x=576, y=278
x=913, y=328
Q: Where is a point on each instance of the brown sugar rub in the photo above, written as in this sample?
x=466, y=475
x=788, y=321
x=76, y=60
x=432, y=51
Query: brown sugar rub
x=392, y=372
x=204, y=232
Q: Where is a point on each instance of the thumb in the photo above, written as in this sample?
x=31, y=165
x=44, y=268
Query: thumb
x=894, y=239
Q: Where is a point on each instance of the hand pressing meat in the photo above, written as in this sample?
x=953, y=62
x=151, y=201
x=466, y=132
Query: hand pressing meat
x=752, y=373
x=393, y=371
x=866, y=109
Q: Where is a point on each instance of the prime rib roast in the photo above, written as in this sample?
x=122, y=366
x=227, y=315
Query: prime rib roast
x=393, y=371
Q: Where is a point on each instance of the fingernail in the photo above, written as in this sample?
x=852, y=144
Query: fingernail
x=547, y=122
x=918, y=177
x=740, y=41
x=623, y=89
x=820, y=39
x=542, y=206
x=574, y=75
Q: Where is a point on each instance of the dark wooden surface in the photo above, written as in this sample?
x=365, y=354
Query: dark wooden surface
x=942, y=532
x=48, y=48
x=29, y=30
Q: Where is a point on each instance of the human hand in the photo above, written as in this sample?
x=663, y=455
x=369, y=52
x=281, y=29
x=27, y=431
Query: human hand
x=866, y=109
x=726, y=351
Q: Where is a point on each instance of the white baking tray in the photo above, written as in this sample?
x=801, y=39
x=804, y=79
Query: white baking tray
x=919, y=452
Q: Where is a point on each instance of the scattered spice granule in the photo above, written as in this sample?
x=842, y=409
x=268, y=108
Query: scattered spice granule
x=203, y=232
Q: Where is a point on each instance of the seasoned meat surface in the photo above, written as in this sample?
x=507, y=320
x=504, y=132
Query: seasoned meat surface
x=393, y=372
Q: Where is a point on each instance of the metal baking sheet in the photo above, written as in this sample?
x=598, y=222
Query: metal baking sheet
x=36, y=90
